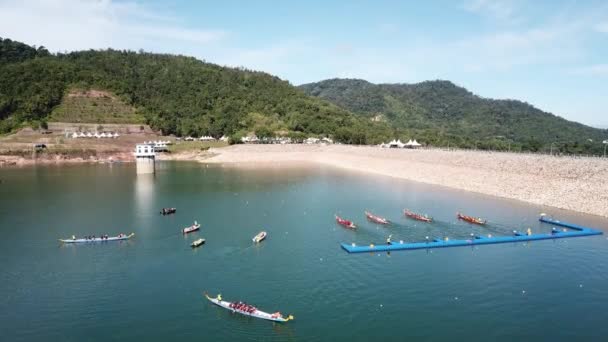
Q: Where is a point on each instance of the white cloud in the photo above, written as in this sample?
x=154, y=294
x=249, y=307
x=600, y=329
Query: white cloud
x=62, y=25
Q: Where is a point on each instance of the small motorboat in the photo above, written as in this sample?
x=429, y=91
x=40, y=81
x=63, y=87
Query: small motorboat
x=471, y=219
x=192, y=228
x=258, y=238
x=248, y=310
x=376, y=219
x=119, y=237
x=346, y=223
x=419, y=217
x=168, y=211
x=197, y=243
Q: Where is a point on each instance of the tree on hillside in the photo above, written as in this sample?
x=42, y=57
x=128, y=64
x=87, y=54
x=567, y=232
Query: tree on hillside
x=264, y=133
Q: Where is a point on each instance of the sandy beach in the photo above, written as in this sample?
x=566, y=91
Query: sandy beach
x=578, y=184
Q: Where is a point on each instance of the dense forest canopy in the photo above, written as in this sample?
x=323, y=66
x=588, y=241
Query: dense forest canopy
x=12, y=51
x=185, y=96
x=439, y=112
x=176, y=94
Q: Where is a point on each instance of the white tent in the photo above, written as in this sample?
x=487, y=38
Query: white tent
x=415, y=144
x=89, y=135
x=116, y=135
x=396, y=144
x=102, y=135
x=224, y=138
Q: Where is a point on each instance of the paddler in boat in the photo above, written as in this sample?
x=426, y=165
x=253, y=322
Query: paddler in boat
x=388, y=240
x=73, y=237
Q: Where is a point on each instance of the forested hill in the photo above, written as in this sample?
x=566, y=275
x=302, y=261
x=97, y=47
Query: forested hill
x=185, y=96
x=13, y=51
x=176, y=94
x=441, y=112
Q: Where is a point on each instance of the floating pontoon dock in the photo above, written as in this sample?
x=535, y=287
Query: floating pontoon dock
x=575, y=231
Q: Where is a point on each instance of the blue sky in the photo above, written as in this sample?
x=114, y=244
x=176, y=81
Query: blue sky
x=552, y=54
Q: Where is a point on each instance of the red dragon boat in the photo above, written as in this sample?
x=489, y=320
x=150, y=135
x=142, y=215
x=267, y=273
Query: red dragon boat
x=415, y=216
x=346, y=223
x=376, y=219
x=471, y=219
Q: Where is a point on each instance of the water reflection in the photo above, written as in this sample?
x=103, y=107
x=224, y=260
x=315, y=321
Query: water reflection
x=144, y=194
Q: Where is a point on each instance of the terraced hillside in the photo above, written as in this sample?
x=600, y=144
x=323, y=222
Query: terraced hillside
x=94, y=106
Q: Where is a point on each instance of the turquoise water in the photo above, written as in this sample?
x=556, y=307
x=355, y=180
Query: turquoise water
x=150, y=288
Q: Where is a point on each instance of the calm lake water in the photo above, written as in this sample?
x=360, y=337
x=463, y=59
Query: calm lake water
x=150, y=288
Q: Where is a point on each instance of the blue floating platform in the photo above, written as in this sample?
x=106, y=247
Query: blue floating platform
x=576, y=231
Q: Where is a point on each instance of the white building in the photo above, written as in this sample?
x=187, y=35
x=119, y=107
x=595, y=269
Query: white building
x=160, y=146
x=145, y=156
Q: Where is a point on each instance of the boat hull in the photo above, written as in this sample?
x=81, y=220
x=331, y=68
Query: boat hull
x=191, y=229
x=376, y=219
x=197, y=243
x=417, y=217
x=345, y=223
x=257, y=313
x=168, y=211
x=260, y=237
x=471, y=219
x=112, y=238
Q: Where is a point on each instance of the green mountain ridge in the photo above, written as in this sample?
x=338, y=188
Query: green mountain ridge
x=176, y=94
x=442, y=112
